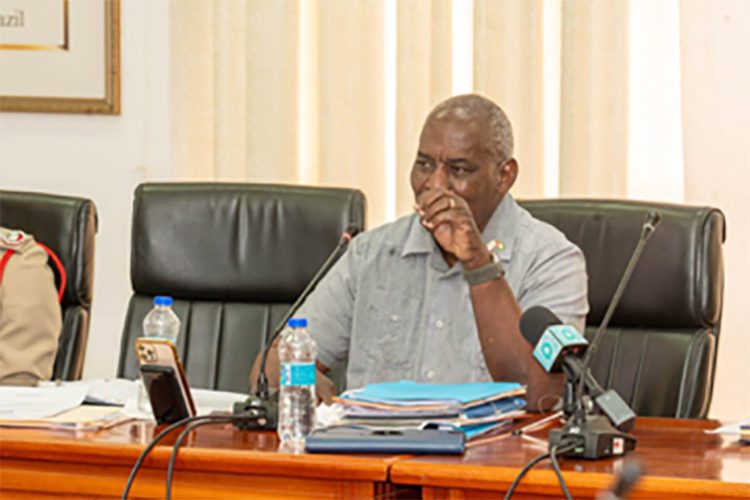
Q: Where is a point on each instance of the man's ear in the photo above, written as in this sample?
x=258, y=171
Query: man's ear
x=507, y=174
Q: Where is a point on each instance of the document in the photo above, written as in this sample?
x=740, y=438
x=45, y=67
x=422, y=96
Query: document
x=124, y=393
x=107, y=392
x=90, y=405
x=730, y=429
x=81, y=418
x=34, y=403
x=472, y=408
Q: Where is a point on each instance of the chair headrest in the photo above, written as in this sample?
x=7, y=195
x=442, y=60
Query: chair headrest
x=679, y=279
x=67, y=225
x=246, y=242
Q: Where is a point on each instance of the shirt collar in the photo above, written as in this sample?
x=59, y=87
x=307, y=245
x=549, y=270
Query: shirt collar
x=501, y=226
x=419, y=240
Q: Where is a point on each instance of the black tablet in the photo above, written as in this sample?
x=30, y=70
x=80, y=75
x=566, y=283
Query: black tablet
x=363, y=440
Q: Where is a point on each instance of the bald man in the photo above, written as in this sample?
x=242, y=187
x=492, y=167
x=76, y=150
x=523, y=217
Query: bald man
x=437, y=295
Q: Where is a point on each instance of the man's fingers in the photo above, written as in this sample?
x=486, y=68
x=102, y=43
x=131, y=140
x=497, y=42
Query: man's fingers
x=429, y=198
x=446, y=203
x=447, y=216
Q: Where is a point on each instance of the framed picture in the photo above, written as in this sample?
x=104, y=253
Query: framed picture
x=60, y=56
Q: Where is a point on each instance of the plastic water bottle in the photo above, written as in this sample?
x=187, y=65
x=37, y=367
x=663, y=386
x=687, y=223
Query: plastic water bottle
x=161, y=322
x=297, y=351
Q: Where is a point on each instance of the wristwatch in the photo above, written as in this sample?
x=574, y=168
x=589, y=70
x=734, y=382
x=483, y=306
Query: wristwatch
x=492, y=271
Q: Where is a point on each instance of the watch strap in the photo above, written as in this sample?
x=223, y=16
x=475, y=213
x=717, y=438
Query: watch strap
x=492, y=271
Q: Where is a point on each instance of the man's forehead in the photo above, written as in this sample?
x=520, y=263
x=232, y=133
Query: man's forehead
x=452, y=133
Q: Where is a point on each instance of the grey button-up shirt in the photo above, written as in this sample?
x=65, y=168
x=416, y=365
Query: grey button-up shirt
x=395, y=310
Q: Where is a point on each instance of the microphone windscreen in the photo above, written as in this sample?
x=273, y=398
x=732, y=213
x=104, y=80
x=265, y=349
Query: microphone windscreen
x=629, y=475
x=534, y=321
x=654, y=218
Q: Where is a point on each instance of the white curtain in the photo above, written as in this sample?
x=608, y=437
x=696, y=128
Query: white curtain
x=716, y=119
x=594, y=99
x=617, y=98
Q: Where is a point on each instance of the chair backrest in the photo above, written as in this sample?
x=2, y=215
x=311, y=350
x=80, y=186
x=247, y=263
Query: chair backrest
x=234, y=257
x=67, y=225
x=659, y=351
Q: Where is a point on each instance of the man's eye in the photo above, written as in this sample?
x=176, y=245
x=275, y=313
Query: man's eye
x=459, y=170
x=422, y=165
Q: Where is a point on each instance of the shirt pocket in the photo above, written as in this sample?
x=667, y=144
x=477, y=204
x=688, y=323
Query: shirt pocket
x=390, y=346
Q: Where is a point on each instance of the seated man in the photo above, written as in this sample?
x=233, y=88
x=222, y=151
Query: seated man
x=30, y=316
x=437, y=295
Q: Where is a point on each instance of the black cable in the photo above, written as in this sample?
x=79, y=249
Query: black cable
x=556, y=467
x=523, y=472
x=175, y=449
x=148, y=449
x=534, y=462
x=261, y=384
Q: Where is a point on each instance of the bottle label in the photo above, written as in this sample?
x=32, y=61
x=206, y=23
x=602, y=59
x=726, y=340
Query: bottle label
x=297, y=374
x=160, y=337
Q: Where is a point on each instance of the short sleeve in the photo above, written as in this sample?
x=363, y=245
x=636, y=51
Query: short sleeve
x=330, y=307
x=557, y=280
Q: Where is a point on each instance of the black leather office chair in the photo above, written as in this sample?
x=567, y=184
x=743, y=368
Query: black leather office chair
x=234, y=257
x=67, y=225
x=659, y=351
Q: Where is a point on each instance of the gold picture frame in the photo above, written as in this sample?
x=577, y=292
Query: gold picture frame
x=69, y=55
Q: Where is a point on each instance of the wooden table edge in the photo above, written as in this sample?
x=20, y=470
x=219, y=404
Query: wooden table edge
x=415, y=473
x=238, y=461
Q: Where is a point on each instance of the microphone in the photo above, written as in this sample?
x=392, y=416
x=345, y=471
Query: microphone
x=552, y=340
x=559, y=347
x=263, y=406
x=594, y=435
x=652, y=221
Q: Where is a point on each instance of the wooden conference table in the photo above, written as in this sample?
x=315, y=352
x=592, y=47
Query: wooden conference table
x=680, y=460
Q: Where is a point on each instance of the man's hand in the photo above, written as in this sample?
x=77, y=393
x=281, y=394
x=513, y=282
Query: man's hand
x=325, y=389
x=448, y=217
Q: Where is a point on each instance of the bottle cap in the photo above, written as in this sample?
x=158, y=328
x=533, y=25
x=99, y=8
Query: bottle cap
x=297, y=323
x=163, y=300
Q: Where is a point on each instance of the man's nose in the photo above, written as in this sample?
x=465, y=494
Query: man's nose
x=440, y=178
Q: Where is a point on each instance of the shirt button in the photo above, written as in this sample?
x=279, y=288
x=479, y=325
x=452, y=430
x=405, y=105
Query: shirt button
x=394, y=317
x=439, y=323
x=430, y=375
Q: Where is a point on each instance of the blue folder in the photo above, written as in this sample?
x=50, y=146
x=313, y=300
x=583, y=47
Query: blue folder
x=406, y=391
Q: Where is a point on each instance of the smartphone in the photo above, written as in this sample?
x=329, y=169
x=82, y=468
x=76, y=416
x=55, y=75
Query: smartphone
x=164, y=379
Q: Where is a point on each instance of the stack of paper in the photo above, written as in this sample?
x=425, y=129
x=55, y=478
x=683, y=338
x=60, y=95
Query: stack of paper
x=91, y=404
x=28, y=403
x=473, y=408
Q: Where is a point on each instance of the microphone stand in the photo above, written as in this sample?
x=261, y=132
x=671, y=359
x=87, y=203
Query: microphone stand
x=595, y=435
x=263, y=406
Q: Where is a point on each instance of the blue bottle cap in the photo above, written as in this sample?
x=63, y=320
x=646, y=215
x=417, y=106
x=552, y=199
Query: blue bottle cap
x=163, y=300
x=297, y=323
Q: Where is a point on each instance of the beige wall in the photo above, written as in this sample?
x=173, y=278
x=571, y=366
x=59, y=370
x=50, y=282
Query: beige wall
x=103, y=158
x=716, y=114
